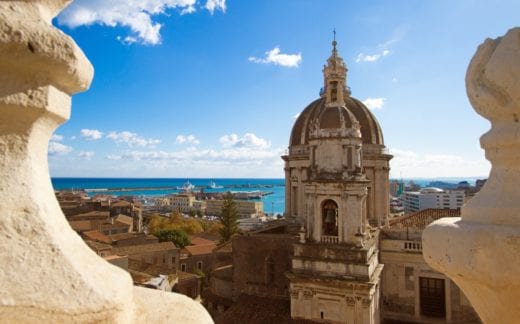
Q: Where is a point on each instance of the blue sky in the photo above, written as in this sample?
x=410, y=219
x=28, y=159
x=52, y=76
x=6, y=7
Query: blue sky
x=211, y=88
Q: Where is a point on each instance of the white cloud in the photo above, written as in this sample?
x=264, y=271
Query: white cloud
x=56, y=138
x=56, y=148
x=248, y=156
x=249, y=140
x=132, y=139
x=371, y=58
x=113, y=157
x=374, y=103
x=91, y=134
x=209, y=156
x=187, y=139
x=86, y=155
x=410, y=164
x=274, y=56
x=137, y=15
x=213, y=5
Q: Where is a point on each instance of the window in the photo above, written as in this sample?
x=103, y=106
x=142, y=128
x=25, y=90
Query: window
x=432, y=297
x=408, y=278
x=329, y=218
x=199, y=265
x=183, y=267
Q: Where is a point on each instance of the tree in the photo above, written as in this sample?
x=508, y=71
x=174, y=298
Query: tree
x=177, y=236
x=228, y=218
x=155, y=223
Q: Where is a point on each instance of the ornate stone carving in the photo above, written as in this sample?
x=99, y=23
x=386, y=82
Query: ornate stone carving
x=473, y=250
x=48, y=273
x=351, y=301
x=308, y=294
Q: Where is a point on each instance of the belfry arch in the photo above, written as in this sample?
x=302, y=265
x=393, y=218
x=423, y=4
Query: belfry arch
x=329, y=218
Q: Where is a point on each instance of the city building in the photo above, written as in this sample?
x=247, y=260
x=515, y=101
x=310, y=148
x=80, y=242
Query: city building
x=431, y=197
x=245, y=208
x=396, y=188
x=182, y=202
x=411, y=290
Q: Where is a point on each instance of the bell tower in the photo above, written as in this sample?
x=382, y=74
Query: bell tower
x=335, y=78
x=335, y=270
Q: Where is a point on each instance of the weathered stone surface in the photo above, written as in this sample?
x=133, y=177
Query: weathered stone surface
x=48, y=273
x=479, y=251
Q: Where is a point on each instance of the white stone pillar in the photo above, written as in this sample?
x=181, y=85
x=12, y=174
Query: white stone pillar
x=288, y=186
x=47, y=272
x=480, y=251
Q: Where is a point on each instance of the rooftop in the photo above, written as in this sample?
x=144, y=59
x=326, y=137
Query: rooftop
x=422, y=218
x=145, y=248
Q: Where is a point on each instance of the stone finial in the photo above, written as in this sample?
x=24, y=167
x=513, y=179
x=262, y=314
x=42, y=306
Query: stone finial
x=479, y=251
x=48, y=273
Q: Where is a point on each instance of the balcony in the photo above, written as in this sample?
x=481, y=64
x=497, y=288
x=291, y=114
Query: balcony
x=327, y=239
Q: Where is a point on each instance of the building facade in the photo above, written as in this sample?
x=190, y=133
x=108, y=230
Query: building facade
x=245, y=208
x=337, y=189
x=411, y=290
x=430, y=197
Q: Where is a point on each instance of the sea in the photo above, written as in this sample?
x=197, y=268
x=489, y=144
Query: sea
x=274, y=202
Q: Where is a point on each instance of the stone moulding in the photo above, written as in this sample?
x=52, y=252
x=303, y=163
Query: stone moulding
x=48, y=273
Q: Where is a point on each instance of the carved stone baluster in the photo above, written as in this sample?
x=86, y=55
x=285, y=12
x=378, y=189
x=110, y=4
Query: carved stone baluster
x=481, y=250
x=47, y=272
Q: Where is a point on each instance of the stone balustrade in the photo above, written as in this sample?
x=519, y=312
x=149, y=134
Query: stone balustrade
x=480, y=251
x=48, y=273
x=327, y=239
x=412, y=246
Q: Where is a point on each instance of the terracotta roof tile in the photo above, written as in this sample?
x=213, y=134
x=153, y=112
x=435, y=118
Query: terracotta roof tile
x=125, y=219
x=226, y=247
x=200, y=249
x=97, y=236
x=423, y=218
x=253, y=309
x=149, y=269
x=200, y=241
x=81, y=225
x=144, y=248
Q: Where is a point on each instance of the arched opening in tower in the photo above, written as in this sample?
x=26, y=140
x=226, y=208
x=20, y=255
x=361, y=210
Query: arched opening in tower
x=329, y=211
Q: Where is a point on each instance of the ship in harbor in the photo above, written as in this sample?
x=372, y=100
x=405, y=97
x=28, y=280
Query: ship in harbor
x=187, y=187
x=213, y=185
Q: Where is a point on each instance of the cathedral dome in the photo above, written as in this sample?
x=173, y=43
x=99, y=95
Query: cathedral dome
x=354, y=111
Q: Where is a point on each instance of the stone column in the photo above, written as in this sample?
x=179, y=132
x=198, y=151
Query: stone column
x=288, y=186
x=480, y=251
x=48, y=273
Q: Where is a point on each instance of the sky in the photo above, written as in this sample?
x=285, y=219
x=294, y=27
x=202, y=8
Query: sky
x=211, y=88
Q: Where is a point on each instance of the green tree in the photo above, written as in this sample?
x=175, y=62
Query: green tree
x=228, y=218
x=177, y=236
x=155, y=223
